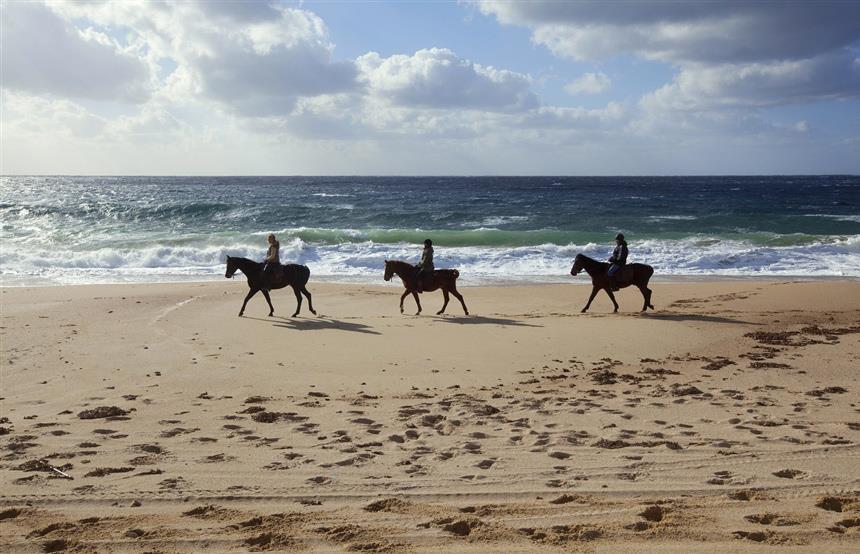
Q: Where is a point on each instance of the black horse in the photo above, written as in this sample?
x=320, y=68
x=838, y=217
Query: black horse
x=292, y=275
x=632, y=274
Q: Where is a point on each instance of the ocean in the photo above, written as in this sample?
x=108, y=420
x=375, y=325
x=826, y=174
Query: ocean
x=68, y=230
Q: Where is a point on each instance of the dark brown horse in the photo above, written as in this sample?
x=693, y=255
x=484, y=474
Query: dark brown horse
x=632, y=274
x=445, y=279
x=292, y=275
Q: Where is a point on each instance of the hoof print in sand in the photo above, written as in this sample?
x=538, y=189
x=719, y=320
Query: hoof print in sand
x=103, y=412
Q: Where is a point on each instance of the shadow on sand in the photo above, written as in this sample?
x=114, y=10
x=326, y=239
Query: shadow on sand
x=695, y=317
x=317, y=324
x=482, y=320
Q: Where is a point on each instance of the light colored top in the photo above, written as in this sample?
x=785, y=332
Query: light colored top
x=273, y=255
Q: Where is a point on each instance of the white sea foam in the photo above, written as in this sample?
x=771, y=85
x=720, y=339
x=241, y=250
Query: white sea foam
x=363, y=261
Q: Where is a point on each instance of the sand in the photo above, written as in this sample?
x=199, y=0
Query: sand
x=150, y=418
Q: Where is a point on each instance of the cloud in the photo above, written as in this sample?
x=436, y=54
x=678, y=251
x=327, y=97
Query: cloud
x=706, y=32
x=589, y=83
x=43, y=54
x=29, y=116
x=728, y=54
x=437, y=78
x=834, y=75
x=250, y=58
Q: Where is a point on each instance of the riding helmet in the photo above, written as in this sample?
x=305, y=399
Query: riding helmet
x=619, y=236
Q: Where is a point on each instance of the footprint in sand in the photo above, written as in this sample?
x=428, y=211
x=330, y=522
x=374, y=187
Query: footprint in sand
x=486, y=464
x=790, y=473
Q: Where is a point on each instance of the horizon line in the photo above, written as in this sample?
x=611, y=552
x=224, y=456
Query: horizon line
x=441, y=175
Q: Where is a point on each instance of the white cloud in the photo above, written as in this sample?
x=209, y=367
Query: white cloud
x=437, y=78
x=43, y=54
x=250, y=58
x=589, y=83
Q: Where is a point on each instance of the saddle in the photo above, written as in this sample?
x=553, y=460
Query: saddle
x=624, y=276
x=273, y=275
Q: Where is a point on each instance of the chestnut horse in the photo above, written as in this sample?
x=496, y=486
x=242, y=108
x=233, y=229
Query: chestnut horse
x=631, y=274
x=445, y=279
x=292, y=275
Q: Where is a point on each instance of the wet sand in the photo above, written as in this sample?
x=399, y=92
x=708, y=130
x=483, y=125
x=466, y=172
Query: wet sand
x=150, y=418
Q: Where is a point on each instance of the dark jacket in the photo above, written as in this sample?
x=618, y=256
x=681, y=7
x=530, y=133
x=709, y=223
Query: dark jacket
x=619, y=255
x=426, y=262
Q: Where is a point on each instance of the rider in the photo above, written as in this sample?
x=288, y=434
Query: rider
x=618, y=259
x=273, y=258
x=425, y=266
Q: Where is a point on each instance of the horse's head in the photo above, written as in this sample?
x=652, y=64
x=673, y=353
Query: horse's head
x=389, y=270
x=577, y=265
x=232, y=266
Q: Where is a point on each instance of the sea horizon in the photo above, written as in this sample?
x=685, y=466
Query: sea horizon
x=494, y=229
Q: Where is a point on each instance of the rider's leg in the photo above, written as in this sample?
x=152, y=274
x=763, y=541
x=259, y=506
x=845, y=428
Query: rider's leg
x=613, y=271
x=419, y=280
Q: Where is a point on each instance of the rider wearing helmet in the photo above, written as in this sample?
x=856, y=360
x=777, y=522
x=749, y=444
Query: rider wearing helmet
x=425, y=266
x=618, y=259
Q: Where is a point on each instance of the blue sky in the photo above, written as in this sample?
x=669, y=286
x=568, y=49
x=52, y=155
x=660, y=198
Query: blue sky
x=473, y=87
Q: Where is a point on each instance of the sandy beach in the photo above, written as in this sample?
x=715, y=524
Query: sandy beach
x=150, y=418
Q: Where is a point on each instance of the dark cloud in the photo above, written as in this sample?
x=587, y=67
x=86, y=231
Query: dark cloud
x=269, y=83
x=703, y=31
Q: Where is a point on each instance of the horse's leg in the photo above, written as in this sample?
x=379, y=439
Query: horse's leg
x=612, y=297
x=402, y=298
x=298, y=301
x=459, y=297
x=269, y=301
x=594, y=290
x=445, y=296
x=251, y=293
x=646, y=296
x=415, y=295
x=310, y=303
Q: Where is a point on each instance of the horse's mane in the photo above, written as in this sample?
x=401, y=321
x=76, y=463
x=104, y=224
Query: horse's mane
x=401, y=263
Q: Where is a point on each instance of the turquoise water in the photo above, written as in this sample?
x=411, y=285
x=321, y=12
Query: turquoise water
x=116, y=229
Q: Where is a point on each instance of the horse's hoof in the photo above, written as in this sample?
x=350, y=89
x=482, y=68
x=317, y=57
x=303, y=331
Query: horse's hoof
x=583, y=311
x=439, y=312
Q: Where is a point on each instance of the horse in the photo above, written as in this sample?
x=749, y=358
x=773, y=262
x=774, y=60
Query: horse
x=445, y=279
x=292, y=275
x=632, y=274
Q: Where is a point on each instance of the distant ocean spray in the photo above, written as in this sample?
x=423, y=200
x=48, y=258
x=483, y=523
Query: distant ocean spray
x=152, y=229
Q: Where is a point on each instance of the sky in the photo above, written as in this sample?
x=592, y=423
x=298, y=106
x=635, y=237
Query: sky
x=483, y=87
